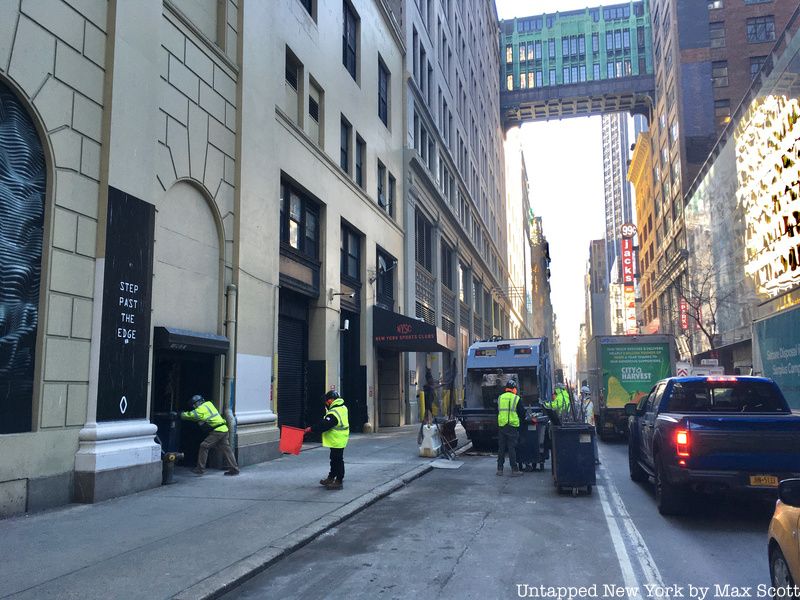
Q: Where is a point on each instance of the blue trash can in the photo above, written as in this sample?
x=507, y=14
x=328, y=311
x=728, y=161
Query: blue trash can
x=572, y=462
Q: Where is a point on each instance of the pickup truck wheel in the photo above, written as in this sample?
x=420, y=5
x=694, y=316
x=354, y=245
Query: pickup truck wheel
x=637, y=472
x=670, y=498
x=779, y=570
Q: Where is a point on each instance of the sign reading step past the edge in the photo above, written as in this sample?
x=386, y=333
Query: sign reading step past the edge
x=125, y=324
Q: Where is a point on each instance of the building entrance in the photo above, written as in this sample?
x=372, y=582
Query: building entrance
x=177, y=376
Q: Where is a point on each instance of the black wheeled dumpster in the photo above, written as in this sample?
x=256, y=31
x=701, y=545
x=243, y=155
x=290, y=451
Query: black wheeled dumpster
x=573, y=457
x=531, y=450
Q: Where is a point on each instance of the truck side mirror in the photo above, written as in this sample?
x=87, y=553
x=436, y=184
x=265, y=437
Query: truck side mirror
x=630, y=409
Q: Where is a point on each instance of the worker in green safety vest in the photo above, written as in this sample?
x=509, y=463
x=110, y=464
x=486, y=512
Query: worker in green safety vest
x=206, y=415
x=335, y=430
x=561, y=401
x=508, y=420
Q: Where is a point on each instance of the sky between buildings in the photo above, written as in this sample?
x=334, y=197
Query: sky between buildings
x=564, y=160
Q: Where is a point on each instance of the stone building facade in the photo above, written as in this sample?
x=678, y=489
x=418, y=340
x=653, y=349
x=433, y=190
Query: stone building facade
x=156, y=251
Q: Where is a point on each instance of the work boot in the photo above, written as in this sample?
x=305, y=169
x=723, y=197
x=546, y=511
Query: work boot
x=327, y=481
x=198, y=471
x=516, y=473
x=334, y=485
x=500, y=472
x=232, y=471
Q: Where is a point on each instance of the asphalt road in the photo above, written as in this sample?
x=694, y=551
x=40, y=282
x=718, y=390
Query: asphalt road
x=467, y=533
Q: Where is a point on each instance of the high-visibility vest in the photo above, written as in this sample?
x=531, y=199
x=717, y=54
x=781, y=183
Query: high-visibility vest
x=507, y=410
x=207, y=414
x=338, y=436
x=561, y=401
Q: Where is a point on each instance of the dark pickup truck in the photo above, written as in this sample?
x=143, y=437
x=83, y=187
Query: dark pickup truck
x=695, y=434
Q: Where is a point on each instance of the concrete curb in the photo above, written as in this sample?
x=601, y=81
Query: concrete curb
x=237, y=573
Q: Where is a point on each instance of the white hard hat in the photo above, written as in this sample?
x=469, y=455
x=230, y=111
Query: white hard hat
x=585, y=390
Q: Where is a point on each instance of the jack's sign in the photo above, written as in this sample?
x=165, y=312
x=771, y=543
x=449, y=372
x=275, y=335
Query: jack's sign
x=627, y=261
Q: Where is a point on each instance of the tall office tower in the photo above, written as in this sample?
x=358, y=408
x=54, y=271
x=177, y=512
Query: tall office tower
x=705, y=55
x=617, y=191
x=454, y=202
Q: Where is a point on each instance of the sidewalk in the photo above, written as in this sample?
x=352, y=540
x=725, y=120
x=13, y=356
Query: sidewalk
x=198, y=537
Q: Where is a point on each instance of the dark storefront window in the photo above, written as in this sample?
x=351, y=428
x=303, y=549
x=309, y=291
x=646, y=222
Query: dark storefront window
x=299, y=221
x=22, y=190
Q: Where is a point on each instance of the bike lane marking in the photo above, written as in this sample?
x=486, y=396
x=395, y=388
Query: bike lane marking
x=616, y=513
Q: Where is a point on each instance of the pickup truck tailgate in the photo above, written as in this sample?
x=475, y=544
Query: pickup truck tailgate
x=752, y=443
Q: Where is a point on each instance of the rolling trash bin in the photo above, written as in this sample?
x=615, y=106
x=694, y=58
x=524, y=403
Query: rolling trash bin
x=531, y=449
x=573, y=457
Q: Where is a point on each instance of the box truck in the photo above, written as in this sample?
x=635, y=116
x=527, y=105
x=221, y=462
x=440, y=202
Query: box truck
x=622, y=369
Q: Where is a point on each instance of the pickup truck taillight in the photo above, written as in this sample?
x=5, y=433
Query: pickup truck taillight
x=682, y=443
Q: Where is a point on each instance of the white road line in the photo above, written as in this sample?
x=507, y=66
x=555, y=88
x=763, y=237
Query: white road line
x=625, y=564
x=647, y=563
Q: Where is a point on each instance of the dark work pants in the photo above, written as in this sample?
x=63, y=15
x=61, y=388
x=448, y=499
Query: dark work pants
x=507, y=438
x=337, y=464
x=219, y=440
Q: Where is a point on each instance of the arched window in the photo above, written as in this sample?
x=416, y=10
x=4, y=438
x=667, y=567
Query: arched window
x=22, y=190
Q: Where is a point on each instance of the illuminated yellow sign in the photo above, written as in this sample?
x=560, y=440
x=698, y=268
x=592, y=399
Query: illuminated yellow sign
x=768, y=166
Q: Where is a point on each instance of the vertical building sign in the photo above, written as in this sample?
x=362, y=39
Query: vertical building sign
x=125, y=324
x=628, y=279
x=684, y=314
x=627, y=261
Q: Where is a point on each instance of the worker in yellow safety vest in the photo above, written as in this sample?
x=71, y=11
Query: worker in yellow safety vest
x=508, y=419
x=335, y=430
x=205, y=414
x=561, y=401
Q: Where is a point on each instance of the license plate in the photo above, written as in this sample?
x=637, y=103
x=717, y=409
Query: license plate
x=764, y=480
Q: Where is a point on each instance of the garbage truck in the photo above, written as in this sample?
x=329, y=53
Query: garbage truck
x=622, y=369
x=489, y=365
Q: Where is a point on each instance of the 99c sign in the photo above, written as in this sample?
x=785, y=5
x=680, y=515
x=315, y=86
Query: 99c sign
x=628, y=230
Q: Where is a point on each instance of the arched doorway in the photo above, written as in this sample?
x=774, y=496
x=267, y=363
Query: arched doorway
x=186, y=313
x=23, y=180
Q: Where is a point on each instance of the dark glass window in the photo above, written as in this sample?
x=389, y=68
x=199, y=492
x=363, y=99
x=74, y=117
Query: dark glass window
x=724, y=397
x=308, y=5
x=349, y=43
x=385, y=279
x=381, y=185
x=716, y=32
x=361, y=155
x=351, y=254
x=313, y=108
x=383, y=93
x=344, y=145
x=447, y=267
x=756, y=62
x=23, y=180
x=299, y=220
x=719, y=73
x=761, y=29
x=392, y=193
x=424, y=242
x=292, y=69
x=595, y=42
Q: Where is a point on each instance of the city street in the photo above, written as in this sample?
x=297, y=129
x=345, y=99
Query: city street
x=468, y=534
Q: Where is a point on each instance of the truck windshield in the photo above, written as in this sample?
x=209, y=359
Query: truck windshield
x=729, y=396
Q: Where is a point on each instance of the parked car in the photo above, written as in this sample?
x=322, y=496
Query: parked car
x=783, y=548
x=695, y=434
